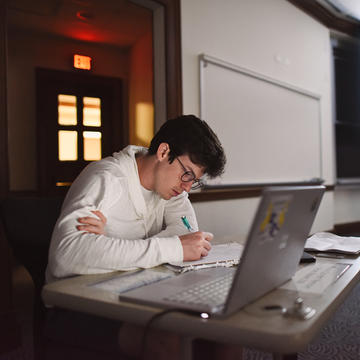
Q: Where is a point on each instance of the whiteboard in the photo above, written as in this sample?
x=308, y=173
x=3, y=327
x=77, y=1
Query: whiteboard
x=270, y=130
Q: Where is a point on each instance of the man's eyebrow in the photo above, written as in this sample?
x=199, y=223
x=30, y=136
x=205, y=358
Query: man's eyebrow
x=190, y=169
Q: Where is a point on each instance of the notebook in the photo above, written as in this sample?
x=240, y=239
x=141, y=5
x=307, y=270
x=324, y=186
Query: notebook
x=327, y=242
x=220, y=255
x=270, y=257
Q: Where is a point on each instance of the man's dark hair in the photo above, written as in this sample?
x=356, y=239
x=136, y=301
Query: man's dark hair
x=188, y=135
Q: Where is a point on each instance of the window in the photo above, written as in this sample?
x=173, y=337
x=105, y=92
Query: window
x=80, y=119
x=72, y=133
x=346, y=55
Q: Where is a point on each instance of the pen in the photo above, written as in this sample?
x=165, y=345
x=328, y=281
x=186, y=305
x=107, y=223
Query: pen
x=186, y=223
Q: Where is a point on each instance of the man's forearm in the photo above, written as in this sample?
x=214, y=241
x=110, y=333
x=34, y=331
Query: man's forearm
x=86, y=253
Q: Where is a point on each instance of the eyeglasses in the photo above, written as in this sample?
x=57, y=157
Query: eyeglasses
x=188, y=176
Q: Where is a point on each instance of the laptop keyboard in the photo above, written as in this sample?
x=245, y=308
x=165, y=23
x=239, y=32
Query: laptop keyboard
x=212, y=292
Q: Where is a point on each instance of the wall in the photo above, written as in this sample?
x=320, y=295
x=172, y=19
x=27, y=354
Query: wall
x=271, y=37
x=26, y=52
x=347, y=209
x=141, y=112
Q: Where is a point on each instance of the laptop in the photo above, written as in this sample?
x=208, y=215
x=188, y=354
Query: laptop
x=270, y=257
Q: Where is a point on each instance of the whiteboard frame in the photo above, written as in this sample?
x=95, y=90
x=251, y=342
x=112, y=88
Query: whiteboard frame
x=203, y=62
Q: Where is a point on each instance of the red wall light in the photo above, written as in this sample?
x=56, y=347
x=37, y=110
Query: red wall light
x=82, y=62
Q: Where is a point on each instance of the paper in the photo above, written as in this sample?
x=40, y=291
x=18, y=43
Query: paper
x=324, y=241
x=316, y=278
x=221, y=253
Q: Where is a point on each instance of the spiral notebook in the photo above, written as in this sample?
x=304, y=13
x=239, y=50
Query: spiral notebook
x=225, y=255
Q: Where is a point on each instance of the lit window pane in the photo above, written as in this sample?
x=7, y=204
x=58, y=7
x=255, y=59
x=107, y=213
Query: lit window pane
x=92, y=111
x=92, y=145
x=67, y=109
x=67, y=145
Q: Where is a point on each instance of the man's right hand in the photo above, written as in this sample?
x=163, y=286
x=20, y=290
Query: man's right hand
x=93, y=225
x=196, y=245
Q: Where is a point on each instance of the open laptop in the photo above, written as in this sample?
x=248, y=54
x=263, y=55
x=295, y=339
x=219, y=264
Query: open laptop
x=271, y=256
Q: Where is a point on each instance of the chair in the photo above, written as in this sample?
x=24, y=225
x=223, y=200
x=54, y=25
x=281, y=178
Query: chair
x=27, y=225
x=10, y=332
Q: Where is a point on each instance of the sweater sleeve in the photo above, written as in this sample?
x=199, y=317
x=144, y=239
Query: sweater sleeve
x=75, y=252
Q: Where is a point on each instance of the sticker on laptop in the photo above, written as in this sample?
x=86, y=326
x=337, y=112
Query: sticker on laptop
x=274, y=217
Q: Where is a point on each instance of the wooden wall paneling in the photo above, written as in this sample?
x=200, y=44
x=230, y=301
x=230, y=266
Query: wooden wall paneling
x=4, y=162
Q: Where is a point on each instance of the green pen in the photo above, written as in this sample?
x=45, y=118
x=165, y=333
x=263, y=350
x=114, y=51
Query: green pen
x=186, y=223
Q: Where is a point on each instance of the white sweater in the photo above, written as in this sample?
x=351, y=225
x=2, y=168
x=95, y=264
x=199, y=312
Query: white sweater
x=139, y=233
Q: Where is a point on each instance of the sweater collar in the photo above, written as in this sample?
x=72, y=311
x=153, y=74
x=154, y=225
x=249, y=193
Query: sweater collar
x=127, y=162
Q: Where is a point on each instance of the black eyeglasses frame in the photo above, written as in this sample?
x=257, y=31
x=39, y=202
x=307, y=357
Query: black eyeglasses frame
x=188, y=176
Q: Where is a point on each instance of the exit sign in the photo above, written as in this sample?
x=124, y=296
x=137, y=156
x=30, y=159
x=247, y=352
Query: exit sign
x=82, y=62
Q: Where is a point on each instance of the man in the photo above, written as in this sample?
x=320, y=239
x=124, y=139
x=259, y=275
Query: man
x=138, y=196
x=143, y=195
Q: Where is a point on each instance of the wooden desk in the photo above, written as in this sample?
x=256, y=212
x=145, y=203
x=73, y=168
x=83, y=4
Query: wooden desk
x=253, y=326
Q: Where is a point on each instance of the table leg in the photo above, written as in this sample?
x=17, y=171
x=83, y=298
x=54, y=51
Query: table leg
x=186, y=344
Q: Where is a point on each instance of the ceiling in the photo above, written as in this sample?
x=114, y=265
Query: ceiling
x=114, y=22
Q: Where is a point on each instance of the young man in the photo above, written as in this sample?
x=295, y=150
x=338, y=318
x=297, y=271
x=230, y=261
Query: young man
x=142, y=194
x=139, y=196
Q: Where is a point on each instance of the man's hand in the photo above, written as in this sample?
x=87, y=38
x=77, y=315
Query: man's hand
x=196, y=244
x=93, y=225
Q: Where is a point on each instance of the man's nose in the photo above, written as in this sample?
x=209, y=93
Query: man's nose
x=186, y=186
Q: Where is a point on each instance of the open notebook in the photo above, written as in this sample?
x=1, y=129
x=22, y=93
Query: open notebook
x=220, y=255
x=327, y=242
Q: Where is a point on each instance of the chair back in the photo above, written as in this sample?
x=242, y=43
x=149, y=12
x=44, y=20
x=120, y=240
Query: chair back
x=28, y=225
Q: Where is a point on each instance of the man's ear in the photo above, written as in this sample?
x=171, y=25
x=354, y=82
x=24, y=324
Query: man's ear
x=162, y=151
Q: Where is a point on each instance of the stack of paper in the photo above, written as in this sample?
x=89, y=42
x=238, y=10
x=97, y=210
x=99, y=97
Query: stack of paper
x=219, y=255
x=328, y=242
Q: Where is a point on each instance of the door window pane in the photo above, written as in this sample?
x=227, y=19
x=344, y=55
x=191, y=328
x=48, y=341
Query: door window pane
x=92, y=145
x=66, y=109
x=91, y=111
x=67, y=145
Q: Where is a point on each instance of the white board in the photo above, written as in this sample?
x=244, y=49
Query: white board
x=270, y=130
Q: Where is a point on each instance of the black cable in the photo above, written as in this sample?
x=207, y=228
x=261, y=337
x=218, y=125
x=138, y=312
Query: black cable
x=156, y=317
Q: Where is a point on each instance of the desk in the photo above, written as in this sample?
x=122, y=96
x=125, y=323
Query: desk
x=252, y=326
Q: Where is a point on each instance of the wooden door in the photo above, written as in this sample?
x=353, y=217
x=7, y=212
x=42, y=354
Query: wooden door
x=80, y=119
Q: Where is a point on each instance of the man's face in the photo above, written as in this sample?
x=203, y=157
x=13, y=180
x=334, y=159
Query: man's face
x=168, y=181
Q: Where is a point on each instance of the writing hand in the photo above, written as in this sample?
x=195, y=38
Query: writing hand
x=93, y=225
x=196, y=244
